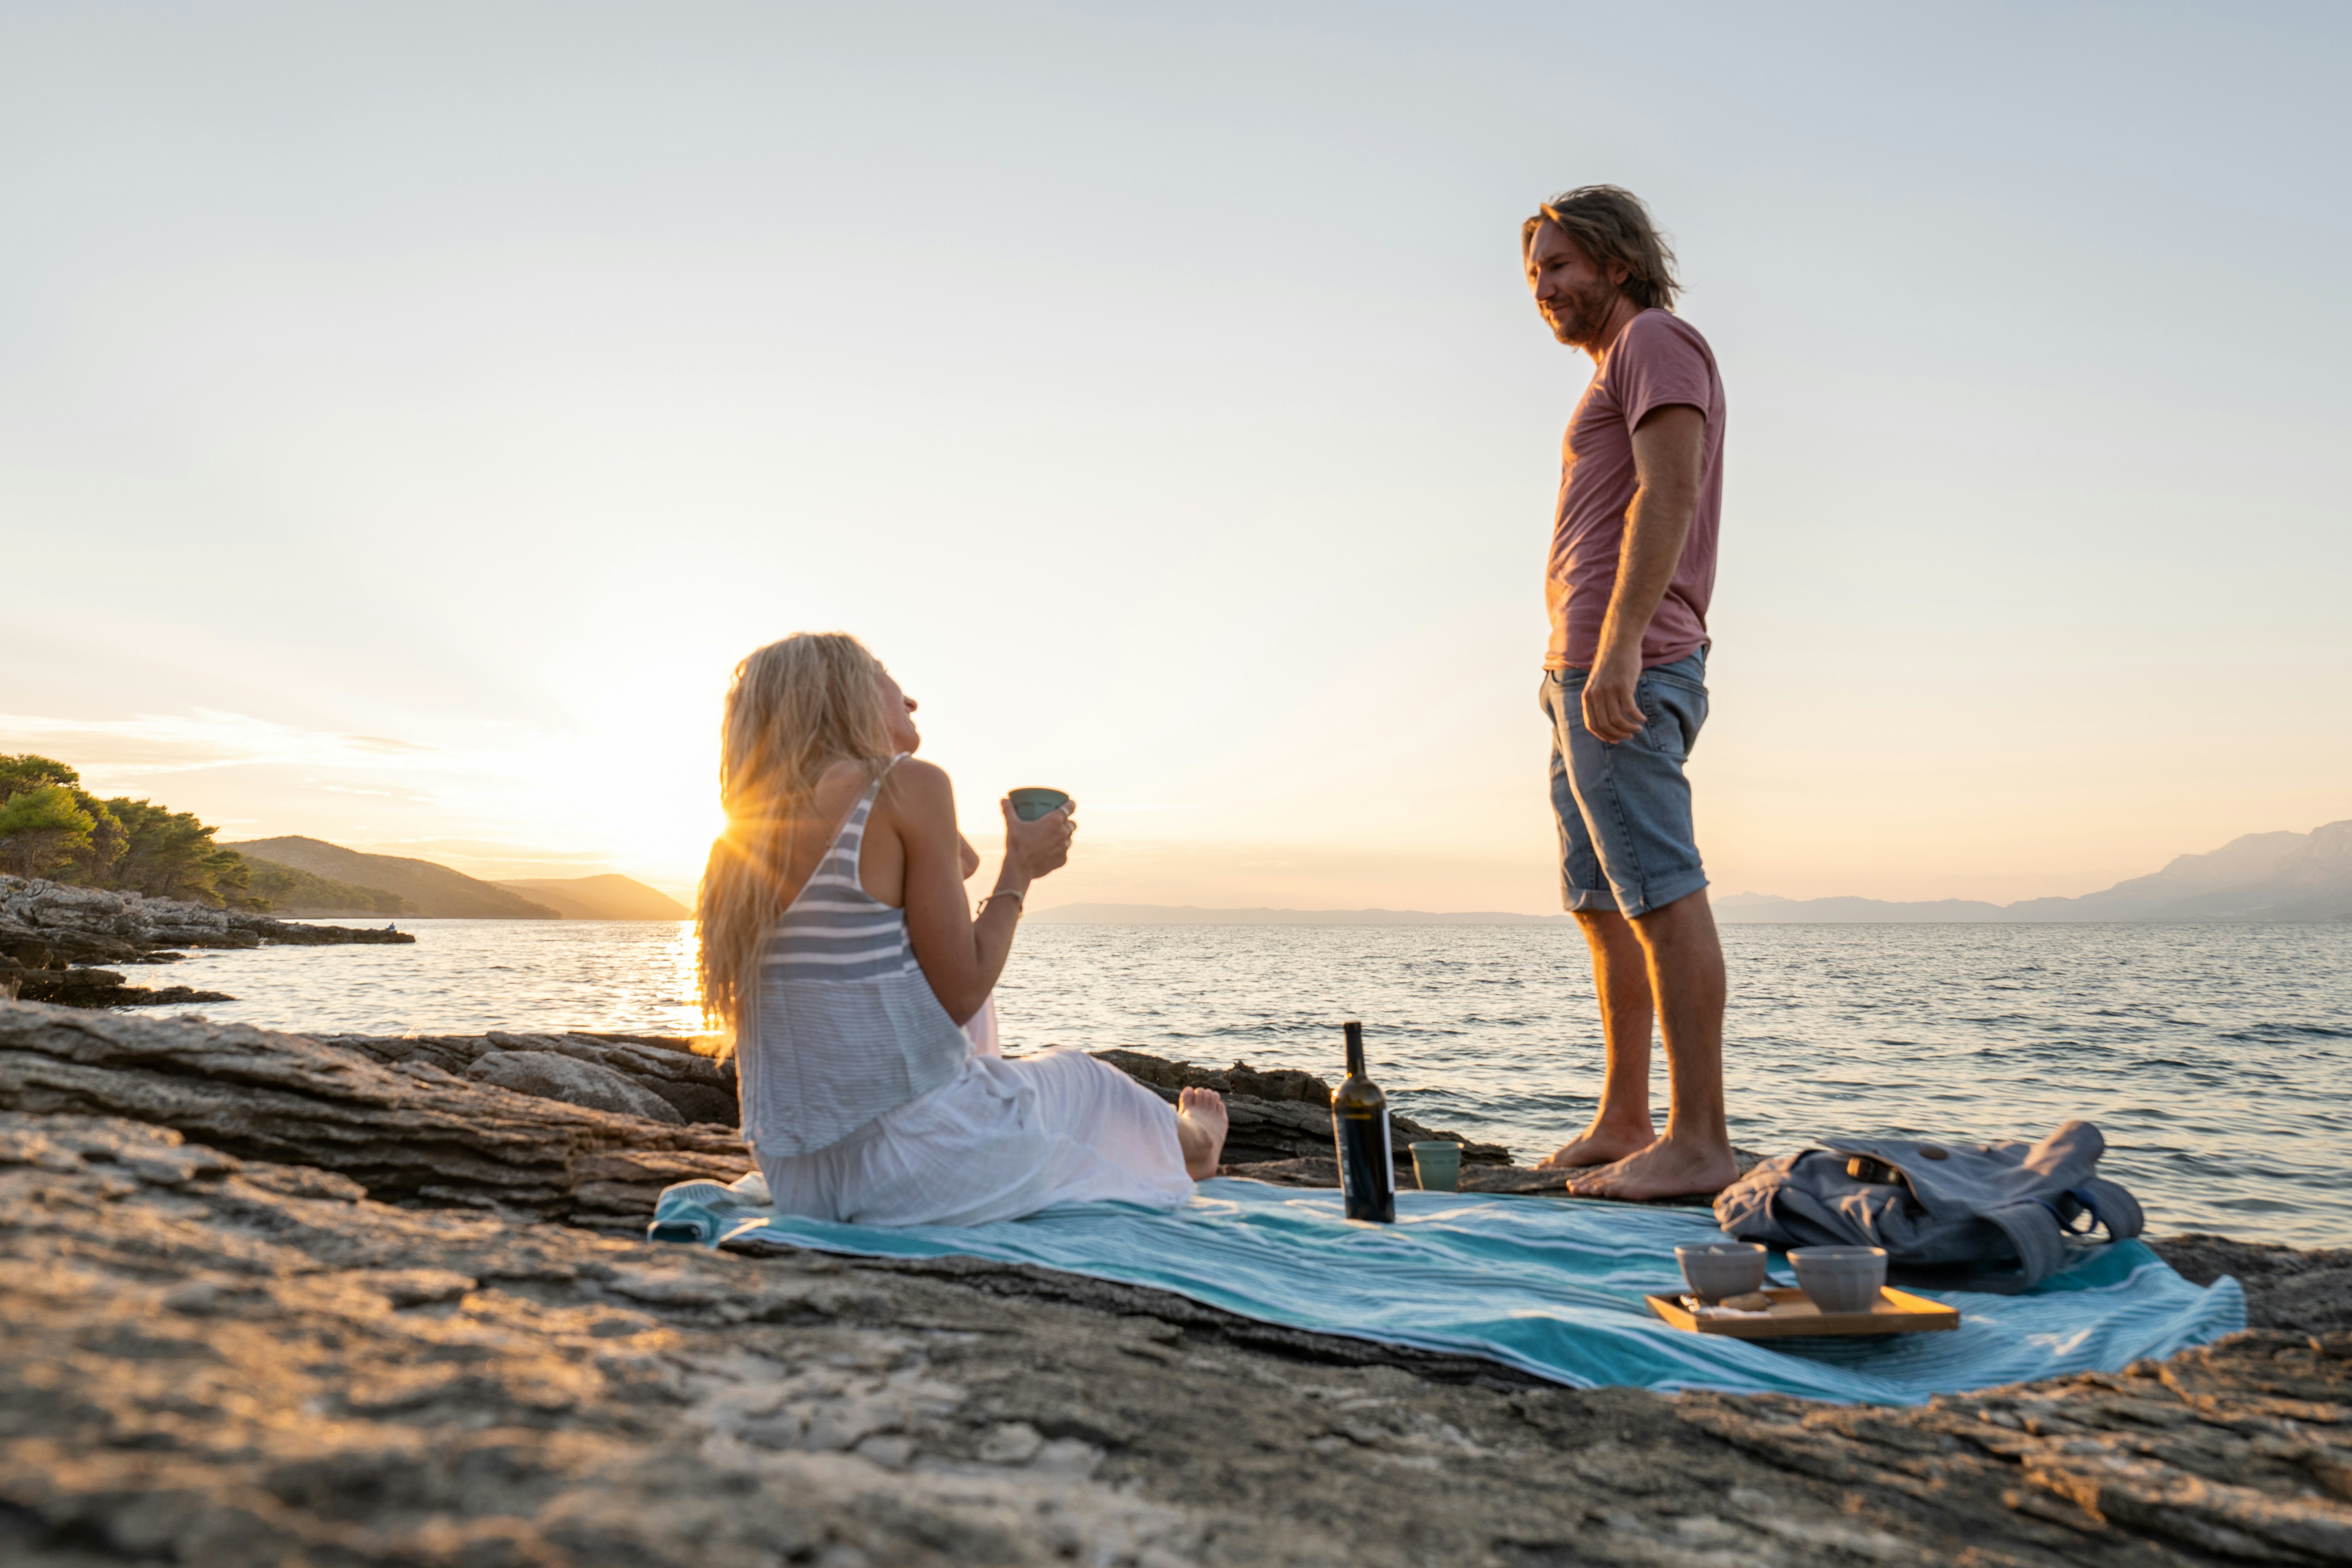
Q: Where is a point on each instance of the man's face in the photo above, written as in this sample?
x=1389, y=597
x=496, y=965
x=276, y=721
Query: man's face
x=1575, y=295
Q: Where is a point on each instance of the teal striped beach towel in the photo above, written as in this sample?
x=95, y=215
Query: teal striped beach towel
x=1552, y=1287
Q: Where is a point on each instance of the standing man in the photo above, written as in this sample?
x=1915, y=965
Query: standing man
x=1632, y=565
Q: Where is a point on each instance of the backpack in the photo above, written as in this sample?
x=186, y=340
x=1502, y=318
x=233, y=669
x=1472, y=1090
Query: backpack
x=1995, y=1217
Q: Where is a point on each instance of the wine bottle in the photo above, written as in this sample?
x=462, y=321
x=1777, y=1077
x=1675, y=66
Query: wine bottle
x=1359, y=1130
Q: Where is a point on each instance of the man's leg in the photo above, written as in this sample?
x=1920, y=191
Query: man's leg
x=1686, y=975
x=1621, y=979
x=1621, y=976
x=1634, y=797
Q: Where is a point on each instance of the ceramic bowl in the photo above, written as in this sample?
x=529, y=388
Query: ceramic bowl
x=1030, y=804
x=1840, y=1278
x=1715, y=1269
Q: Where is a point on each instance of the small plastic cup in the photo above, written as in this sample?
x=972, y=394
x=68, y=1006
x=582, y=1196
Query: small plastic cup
x=1840, y=1278
x=1714, y=1269
x=1437, y=1166
x=1030, y=803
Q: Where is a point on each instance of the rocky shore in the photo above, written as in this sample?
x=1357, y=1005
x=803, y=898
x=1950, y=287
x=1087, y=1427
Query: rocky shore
x=269, y=1300
x=54, y=938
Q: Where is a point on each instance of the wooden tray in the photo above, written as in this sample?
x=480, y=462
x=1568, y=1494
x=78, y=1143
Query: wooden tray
x=1895, y=1313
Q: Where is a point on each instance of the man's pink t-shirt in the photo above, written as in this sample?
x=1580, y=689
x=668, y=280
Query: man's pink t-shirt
x=1658, y=359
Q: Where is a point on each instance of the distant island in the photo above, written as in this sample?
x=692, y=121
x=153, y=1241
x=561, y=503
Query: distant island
x=311, y=876
x=1188, y=915
x=2259, y=877
x=610, y=897
x=426, y=889
x=292, y=890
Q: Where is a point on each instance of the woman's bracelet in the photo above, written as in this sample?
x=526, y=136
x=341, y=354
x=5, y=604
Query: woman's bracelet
x=1018, y=902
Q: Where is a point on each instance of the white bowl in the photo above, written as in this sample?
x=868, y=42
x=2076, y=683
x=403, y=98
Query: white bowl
x=1840, y=1278
x=1715, y=1269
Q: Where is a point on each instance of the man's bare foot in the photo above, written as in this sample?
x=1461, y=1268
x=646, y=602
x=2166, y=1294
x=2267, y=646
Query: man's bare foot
x=1598, y=1145
x=1201, y=1131
x=1666, y=1169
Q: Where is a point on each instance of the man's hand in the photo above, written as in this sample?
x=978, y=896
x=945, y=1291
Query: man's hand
x=1610, y=711
x=1668, y=445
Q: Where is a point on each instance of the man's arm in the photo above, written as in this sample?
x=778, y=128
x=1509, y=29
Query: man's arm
x=1669, y=447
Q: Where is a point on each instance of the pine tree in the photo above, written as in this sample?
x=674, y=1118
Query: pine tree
x=42, y=827
x=91, y=860
x=171, y=855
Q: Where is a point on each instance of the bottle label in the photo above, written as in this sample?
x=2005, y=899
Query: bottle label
x=1367, y=1167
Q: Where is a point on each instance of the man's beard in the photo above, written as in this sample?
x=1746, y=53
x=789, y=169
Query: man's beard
x=1579, y=317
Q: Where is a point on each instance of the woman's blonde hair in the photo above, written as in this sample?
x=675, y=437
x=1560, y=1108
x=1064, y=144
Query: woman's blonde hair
x=796, y=708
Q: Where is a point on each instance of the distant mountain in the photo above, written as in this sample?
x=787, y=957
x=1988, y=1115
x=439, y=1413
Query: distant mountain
x=1188, y=915
x=2260, y=876
x=431, y=890
x=1767, y=909
x=293, y=891
x=607, y=898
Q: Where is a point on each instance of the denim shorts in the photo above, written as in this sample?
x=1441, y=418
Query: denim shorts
x=1626, y=841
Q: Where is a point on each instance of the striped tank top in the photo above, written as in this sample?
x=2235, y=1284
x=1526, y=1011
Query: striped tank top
x=845, y=1028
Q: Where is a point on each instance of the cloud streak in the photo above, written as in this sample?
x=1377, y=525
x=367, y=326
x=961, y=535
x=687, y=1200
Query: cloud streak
x=158, y=744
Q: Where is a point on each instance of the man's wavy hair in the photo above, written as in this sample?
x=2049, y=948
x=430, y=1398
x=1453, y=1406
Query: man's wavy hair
x=1609, y=223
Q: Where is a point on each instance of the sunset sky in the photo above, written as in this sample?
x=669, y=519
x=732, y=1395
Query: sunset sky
x=408, y=414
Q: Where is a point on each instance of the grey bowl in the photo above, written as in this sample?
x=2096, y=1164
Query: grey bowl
x=1715, y=1269
x=1031, y=803
x=1840, y=1278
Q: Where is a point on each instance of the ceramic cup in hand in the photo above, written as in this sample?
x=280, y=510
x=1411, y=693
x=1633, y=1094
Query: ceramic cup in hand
x=1029, y=805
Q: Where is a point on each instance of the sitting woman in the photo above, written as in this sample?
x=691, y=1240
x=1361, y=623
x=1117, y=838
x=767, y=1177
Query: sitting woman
x=837, y=945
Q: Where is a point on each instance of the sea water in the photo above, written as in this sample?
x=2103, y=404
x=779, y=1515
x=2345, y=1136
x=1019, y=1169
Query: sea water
x=2216, y=1058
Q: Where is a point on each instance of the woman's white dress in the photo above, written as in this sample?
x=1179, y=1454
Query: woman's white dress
x=863, y=1103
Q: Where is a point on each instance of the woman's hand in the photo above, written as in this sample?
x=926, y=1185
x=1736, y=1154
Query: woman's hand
x=1034, y=848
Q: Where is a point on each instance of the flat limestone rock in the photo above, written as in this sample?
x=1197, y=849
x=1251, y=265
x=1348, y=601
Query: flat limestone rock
x=2309, y=1292
x=94, y=925
x=1323, y=1170
x=1279, y=1115
x=404, y=1131
x=212, y=1359
x=1275, y=1116
x=698, y=1086
x=93, y=987
x=551, y=1077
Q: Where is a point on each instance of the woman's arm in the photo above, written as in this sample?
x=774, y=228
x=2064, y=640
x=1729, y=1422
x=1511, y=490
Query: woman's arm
x=962, y=957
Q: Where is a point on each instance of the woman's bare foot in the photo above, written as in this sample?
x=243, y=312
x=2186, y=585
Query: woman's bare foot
x=1666, y=1169
x=1201, y=1131
x=1600, y=1144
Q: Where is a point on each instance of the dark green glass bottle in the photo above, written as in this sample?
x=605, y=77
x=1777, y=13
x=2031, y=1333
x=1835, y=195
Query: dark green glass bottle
x=1359, y=1130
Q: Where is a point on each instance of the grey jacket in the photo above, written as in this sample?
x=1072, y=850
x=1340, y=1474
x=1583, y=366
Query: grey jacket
x=1976, y=1216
